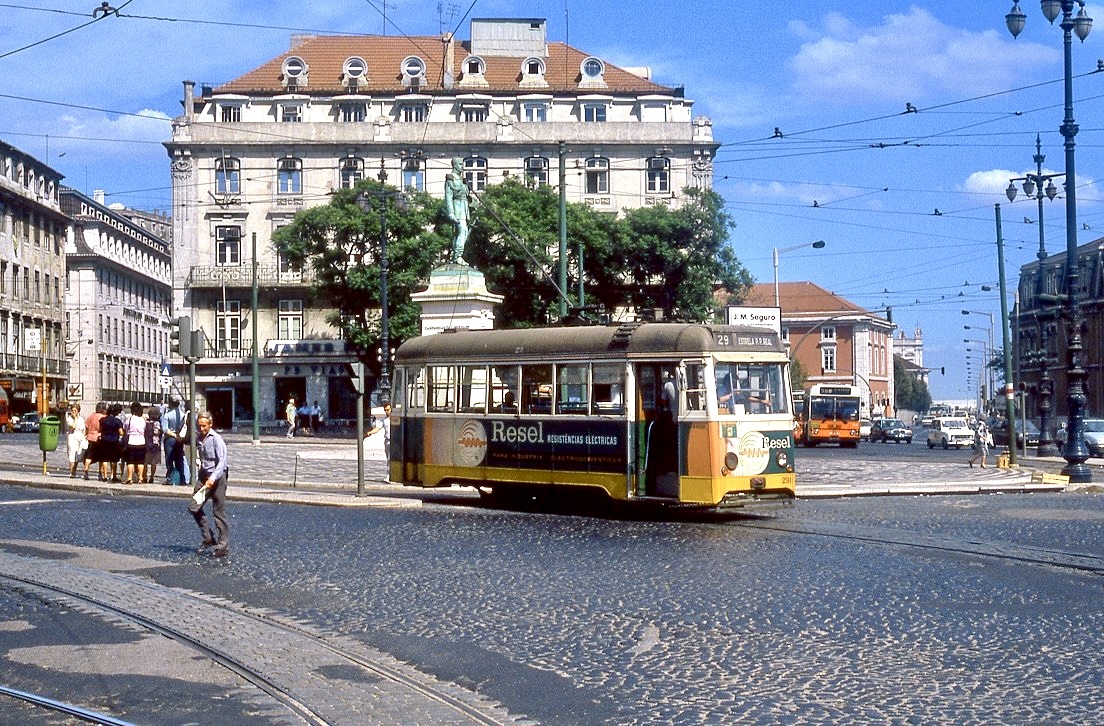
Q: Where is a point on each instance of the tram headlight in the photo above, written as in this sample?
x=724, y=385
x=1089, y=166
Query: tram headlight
x=782, y=459
x=731, y=461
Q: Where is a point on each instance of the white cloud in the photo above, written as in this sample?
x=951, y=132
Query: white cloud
x=908, y=57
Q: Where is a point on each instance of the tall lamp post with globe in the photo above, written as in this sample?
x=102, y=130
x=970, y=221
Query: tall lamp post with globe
x=1074, y=450
x=1033, y=187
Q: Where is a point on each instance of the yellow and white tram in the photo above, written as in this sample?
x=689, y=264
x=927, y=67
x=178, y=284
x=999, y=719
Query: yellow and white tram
x=675, y=413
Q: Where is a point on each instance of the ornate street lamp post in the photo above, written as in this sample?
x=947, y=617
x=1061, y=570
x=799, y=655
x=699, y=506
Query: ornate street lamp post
x=1033, y=186
x=1074, y=451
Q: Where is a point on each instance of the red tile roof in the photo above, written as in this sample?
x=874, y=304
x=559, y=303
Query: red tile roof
x=325, y=57
x=800, y=298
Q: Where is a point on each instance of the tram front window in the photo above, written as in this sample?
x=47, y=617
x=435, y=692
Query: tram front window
x=753, y=388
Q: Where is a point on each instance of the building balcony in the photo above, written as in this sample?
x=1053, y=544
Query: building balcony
x=17, y=364
x=276, y=350
x=203, y=276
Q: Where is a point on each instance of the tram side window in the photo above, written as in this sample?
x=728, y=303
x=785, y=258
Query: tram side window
x=504, y=386
x=609, y=389
x=695, y=386
x=415, y=391
x=572, y=382
x=398, y=391
x=442, y=387
x=473, y=389
x=536, y=389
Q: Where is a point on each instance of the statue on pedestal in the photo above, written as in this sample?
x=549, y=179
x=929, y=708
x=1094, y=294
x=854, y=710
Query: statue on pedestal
x=456, y=208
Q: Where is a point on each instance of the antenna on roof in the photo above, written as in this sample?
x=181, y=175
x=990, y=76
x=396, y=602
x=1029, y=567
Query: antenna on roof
x=383, y=10
x=446, y=22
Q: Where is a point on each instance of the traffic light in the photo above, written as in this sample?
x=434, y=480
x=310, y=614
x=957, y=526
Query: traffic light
x=181, y=337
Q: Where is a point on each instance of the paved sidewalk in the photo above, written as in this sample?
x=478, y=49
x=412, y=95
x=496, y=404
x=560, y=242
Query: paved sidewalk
x=323, y=471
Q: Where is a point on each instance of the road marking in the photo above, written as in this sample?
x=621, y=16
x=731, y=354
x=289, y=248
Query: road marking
x=31, y=501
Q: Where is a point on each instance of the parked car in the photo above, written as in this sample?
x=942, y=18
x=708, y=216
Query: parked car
x=28, y=423
x=999, y=430
x=1094, y=436
x=864, y=429
x=890, y=429
x=948, y=431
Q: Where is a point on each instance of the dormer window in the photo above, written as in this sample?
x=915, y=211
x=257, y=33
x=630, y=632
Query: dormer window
x=532, y=73
x=353, y=72
x=474, y=66
x=294, y=72
x=533, y=67
x=592, y=71
x=413, y=71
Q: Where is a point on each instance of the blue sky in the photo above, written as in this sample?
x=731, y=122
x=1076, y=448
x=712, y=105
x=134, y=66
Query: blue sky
x=852, y=166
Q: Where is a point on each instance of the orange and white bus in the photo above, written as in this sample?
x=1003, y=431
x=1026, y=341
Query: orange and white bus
x=829, y=414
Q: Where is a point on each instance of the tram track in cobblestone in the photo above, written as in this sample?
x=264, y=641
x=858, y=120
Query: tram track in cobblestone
x=1011, y=552
x=99, y=591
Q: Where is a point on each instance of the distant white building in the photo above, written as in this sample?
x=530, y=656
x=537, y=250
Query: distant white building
x=249, y=154
x=117, y=302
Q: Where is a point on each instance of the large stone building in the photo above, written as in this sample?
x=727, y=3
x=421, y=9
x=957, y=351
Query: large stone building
x=1041, y=333
x=249, y=154
x=835, y=341
x=32, y=268
x=117, y=302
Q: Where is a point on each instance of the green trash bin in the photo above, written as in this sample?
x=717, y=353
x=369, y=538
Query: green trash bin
x=48, y=433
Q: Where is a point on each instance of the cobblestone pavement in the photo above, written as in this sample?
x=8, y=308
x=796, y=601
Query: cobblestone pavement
x=295, y=660
x=833, y=611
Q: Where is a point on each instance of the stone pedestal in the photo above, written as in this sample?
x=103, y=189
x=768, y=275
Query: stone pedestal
x=457, y=298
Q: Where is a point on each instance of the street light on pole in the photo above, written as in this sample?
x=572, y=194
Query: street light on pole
x=364, y=202
x=992, y=347
x=1074, y=451
x=815, y=245
x=1033, y=186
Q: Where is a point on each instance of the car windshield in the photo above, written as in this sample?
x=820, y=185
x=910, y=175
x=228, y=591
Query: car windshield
x=30, y=417
x=954, y=423
x=1095, y=425
x=892, y=423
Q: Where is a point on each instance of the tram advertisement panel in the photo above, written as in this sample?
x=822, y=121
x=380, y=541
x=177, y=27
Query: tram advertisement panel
x=584, y=445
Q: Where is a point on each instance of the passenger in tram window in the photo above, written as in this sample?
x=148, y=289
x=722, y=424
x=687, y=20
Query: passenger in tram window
x=669, y=396
x=508, y=403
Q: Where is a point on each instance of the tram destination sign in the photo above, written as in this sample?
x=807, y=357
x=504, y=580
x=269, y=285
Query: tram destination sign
x=745, y=341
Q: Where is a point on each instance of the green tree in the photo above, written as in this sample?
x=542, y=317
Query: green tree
x=340, y=243
x=798, y=375
x=910, y=392
x=677, y=258
x=673, y=259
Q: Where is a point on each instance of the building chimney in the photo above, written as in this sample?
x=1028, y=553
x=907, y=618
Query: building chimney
x=189, y=100
x=99, y=197
x=448, y=76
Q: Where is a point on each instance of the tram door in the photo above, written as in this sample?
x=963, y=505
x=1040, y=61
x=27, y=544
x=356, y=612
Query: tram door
x=657, y=437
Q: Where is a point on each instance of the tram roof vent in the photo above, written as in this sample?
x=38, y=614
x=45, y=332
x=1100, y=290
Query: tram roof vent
x=621, y=338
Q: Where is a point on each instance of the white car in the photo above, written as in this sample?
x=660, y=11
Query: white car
x=948, y=431
x=864, y=429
